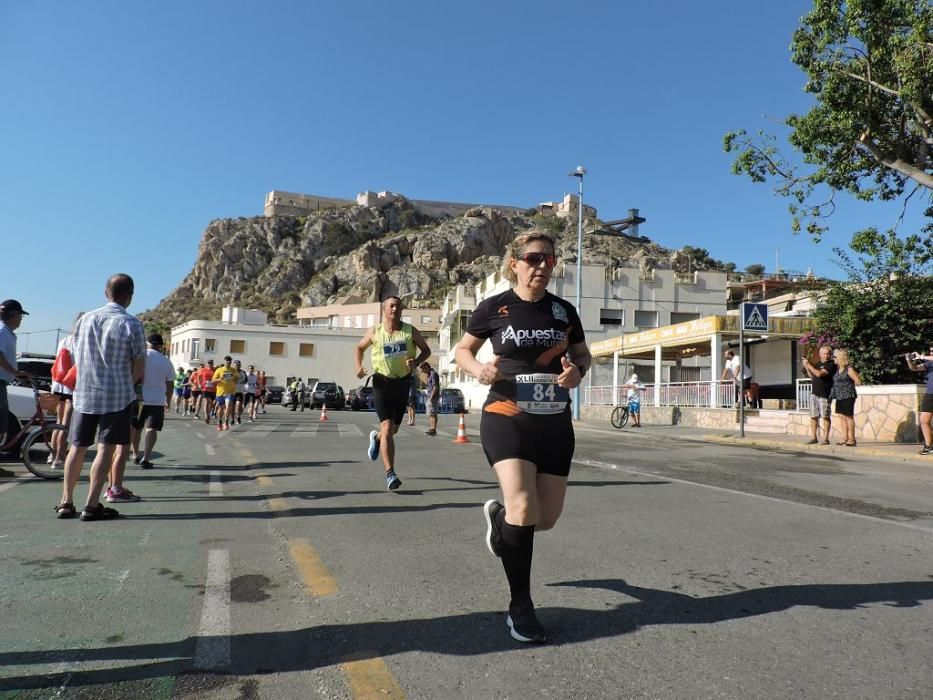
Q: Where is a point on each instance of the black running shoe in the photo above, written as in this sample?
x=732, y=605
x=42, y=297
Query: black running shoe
x=493, y=534
x=523, y=624
x=927, y=450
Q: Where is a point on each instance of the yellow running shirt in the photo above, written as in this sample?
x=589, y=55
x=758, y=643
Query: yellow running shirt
x=225, y=380
x=390, y=350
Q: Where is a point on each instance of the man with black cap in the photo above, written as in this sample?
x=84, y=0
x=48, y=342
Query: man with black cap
x=11, y=315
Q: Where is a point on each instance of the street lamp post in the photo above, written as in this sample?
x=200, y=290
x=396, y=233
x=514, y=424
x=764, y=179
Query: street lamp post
x=579, y=172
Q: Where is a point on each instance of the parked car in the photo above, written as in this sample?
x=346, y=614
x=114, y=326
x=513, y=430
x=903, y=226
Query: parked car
x=274, y=393
x=39, y=366
x=329, y=394
x=451, y=401
x=362, y=398
x=22, y=406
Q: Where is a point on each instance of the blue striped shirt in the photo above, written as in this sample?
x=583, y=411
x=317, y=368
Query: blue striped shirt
x=106, y=341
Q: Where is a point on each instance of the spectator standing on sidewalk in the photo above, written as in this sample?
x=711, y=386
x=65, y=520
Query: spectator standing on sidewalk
x=844, y=382
x=735, y=366
x=412, y=407
x=64, y=408
x=109, y=353
x=924, y=363
x=11, y=315
x=432, y=399
x=821, y=375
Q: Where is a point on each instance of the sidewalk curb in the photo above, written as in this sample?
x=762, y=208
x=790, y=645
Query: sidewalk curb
x=822, y=449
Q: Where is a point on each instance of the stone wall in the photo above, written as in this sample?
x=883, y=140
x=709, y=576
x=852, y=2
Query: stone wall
x=886, y=413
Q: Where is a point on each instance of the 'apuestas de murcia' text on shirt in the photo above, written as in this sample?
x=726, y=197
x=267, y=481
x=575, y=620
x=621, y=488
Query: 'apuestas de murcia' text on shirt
x=547, y=338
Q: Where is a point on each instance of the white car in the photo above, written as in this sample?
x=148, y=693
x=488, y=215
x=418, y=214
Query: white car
x=22, y=407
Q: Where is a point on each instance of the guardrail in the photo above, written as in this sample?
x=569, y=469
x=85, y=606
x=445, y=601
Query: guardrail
x=804, y=392
x=715, y=394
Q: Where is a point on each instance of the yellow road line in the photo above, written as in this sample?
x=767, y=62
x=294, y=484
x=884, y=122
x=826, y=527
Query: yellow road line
x=264, y=480
x=313, y=572
x=370, y=678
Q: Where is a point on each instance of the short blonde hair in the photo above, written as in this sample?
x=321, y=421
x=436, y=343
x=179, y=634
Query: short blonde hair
x=517, y=246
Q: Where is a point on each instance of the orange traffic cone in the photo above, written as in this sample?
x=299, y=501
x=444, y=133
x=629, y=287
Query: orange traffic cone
x=461, y=431
x=323, y=413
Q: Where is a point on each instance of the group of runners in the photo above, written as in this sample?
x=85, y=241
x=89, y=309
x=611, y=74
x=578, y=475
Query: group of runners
x=223, y=392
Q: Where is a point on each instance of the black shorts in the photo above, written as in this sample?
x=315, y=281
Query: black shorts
x=62, y=396
x=248, y=398
x=547, y=441
x=390, y=397
x=926, y=403
x=110, y=428
x=845, y=407
x=150, y=417
x=196, y=393
x=238, y=396
x=209, y=395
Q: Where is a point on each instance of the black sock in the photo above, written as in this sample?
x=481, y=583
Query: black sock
x=517, y=547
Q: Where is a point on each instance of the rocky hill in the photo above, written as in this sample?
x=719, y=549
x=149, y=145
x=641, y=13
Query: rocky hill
x=358, y=254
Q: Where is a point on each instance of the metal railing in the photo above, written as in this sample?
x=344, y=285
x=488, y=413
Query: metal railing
x=709, y=394
x=804, y=392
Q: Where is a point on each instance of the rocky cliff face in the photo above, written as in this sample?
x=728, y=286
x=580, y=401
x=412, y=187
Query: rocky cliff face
x=360, y=254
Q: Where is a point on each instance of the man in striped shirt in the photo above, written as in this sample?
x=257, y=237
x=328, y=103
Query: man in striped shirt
x=109, y=352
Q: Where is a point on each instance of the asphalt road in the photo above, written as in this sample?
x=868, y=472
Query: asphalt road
x=270, y=562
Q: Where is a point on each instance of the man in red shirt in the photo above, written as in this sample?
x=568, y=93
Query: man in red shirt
x=208, y=392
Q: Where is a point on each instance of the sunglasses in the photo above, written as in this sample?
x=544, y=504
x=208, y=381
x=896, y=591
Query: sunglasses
x=535, y=259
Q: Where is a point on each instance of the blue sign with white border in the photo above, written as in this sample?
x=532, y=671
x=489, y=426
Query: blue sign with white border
x=754, y=317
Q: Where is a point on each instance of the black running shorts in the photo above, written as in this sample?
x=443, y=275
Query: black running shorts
x=390, y=397
x=149, y=417
x=547, y=441
x=845, y=407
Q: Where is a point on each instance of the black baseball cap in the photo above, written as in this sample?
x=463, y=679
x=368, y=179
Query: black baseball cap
x=14, y=306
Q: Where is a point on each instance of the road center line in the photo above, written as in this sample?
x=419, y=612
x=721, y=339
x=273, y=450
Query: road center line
x=872, y=518
x=210, y=450
x=216, y=486
x=313, y=572
x=370, y=678
x=213, y=646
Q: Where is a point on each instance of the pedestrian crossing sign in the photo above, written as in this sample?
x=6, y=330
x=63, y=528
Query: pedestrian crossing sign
x=754, y=317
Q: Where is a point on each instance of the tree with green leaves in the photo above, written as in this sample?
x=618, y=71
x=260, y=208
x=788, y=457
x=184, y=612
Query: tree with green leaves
x=869, y=66
x=885, y=309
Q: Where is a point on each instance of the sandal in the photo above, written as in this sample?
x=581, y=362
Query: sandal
x=65, y=511
x=99, y=512
x=849, y=444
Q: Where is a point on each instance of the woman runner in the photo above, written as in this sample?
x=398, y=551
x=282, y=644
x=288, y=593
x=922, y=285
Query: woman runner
x=526, y=428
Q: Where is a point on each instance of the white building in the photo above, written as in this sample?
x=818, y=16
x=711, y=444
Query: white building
x=282, y=351
x=615, y=301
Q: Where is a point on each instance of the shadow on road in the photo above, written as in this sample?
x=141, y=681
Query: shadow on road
x=460, y=635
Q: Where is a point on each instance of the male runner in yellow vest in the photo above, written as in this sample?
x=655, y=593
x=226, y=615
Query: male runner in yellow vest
x=393, y=359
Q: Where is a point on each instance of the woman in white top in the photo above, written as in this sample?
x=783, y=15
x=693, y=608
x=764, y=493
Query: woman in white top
x=64, y=408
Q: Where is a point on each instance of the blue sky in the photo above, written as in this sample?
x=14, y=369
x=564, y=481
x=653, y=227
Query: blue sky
x=128, y=126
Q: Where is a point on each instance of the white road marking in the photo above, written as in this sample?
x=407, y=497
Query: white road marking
x=263, y=431
x=213, y=646
x=7, y=486
x=200, y=436
x=145, y=540
x=210, y=450
x=217, y=486
x=305, y=430
x=349, y=430
x=861, y=516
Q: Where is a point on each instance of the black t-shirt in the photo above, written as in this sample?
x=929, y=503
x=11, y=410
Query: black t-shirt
x=530, y=337
x=822, y=385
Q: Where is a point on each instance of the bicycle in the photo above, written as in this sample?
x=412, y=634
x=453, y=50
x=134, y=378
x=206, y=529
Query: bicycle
x=619, y=416
x=34, y=442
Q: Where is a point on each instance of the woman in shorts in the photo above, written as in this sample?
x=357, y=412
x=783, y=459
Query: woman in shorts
x=539, y=353
x=844, y=393
x=64, y=407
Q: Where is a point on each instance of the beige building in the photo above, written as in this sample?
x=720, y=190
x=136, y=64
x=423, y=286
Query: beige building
x=567, y=208
x=363, y=316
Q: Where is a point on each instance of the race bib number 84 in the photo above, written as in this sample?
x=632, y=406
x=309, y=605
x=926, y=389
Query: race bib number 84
x=539, y=393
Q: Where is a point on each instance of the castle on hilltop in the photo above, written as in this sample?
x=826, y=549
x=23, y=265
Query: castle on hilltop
x=281, y=203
